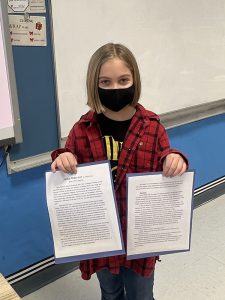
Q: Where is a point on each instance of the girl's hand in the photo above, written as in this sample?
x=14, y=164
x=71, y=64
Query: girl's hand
x=65, y=162
x=173, y=165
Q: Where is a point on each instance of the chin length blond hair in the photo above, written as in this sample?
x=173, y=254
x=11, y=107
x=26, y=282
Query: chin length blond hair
x=102, y=55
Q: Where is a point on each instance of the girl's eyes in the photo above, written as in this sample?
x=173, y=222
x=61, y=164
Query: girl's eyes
x=124, y=80
x=106, y=82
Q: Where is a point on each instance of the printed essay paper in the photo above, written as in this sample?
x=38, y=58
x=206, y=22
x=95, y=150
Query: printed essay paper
x=159, y=214
x=83, y=213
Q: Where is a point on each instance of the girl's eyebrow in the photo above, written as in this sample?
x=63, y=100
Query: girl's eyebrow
x=101, y=77
x=124, y=75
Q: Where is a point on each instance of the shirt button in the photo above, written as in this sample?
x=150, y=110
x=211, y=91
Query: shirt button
x=141, y=143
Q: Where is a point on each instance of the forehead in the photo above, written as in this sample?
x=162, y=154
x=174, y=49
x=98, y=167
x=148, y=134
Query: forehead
x=114, y=66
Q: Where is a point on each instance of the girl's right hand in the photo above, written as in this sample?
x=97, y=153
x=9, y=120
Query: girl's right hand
x=65, y=162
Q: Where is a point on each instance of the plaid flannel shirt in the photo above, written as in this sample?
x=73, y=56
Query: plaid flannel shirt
x=144, y=148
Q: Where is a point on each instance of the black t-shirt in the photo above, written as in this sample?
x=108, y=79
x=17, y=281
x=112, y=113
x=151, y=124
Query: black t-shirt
x=113, y=133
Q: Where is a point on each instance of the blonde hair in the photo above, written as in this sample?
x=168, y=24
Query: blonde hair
x=102, y=55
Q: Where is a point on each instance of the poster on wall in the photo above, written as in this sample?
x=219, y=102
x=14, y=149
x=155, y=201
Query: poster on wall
x=29, y=31
x=26, y=6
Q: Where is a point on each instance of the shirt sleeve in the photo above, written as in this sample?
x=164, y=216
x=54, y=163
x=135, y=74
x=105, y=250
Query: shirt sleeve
x=70, y=146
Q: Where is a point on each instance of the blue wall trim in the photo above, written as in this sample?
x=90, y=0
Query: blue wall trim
x=25, y=232
x=204, y=144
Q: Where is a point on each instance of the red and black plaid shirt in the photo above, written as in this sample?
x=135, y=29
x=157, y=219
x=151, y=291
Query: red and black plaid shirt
x=144, y=148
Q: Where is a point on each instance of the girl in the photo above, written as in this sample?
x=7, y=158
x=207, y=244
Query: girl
x=119, y=129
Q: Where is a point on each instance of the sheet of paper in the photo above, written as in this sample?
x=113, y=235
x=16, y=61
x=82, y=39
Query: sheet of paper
x=29, y=31
x=83, y=213
x=26, y=6
x=159, y=214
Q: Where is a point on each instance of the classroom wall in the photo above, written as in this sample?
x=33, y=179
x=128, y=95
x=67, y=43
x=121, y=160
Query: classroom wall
x=25, y=232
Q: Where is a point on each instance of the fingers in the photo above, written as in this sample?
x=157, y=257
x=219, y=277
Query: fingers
x=169, y=165
x=53, y=166
x=174, y=165
x=183, y=170
x=72, y=165
x=65, y=162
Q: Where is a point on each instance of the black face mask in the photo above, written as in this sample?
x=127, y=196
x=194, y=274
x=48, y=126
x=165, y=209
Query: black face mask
x=116, y=99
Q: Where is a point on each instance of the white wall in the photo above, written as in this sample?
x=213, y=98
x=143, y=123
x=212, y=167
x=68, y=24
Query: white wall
x=179, y=46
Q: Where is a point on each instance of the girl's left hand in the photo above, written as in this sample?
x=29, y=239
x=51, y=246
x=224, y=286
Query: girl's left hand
x=173, y=165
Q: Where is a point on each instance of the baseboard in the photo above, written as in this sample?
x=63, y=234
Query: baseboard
x=41, y=278
x=209, y=192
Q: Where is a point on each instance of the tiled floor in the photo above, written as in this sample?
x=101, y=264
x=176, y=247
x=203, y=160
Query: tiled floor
x=195, y=275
